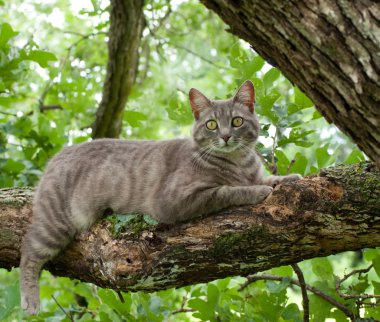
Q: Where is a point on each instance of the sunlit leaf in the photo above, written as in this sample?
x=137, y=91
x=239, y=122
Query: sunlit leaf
x=41, y=57
x=6, y=33
x=301, y=99
x=354, y=157
x=270, y=76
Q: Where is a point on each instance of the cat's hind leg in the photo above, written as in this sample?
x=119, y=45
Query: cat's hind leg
x=40, y=245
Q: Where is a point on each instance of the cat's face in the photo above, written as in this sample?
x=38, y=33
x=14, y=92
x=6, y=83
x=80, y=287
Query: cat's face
x=225, y=125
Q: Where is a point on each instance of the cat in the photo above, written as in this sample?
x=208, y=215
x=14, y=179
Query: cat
x=172, y=180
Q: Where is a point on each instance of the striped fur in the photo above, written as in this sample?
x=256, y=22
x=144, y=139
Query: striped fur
x=172, y=180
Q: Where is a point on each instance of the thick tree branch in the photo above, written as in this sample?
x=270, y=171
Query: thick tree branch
x=336, y=211
x=329, y=49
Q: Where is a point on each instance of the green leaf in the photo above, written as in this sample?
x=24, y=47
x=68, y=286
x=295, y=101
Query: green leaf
x=301, y=99
x=282, y=161
x=11, y=300
x=304, y=144
x=293, y=108
x=134, y=118
x=316, y=115
x=270, y=77
x=322, y=268
x=292, y=313
x=300, y=164
x=110, y=298
x=249, y=68
x=213, y=295
x=370, y=254
x=205, y=312
x=282, y=271
x=322, y=156
x=177, y=111
x=376, y=265
x=361, y=286
x=296, y=136
x=13, y=166
x=376, y=287
x=41, y=57
x=354, y=157
x=276, y=287
x=6, y=33
x=266, y=103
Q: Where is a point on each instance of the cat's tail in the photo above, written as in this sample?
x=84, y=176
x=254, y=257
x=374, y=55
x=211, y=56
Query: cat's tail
x=36, y=250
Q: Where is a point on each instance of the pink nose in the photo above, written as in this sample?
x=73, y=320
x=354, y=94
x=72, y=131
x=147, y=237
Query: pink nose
x=226, y=138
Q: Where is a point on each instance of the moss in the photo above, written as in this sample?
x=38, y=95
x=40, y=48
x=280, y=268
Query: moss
x=15, y=197
x=361, y=182
x=7, y=238
x=229, y=242
x=130, y=224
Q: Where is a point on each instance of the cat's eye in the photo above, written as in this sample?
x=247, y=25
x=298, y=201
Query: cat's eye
x=237, y=121
x=211, y=124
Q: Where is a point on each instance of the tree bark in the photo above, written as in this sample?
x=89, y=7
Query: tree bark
x=127, y=21
x=336, y=211
x=329, y=49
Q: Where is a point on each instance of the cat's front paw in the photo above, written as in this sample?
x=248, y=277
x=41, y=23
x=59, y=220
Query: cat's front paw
x=276, y=180
x=263, y=192
x=291, y=177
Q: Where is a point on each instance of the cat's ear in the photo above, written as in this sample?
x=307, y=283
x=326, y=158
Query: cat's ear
x=246, y=95
x=198, y=102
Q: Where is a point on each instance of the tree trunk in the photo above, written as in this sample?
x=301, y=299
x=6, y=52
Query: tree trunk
x=127, y=20
x=336, y=211
x=329, y=49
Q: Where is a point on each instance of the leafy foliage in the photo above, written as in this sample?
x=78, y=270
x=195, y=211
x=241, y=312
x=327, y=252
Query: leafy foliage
x=45, y=62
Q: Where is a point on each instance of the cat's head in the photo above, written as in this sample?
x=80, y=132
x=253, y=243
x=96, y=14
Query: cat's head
x=225, y=125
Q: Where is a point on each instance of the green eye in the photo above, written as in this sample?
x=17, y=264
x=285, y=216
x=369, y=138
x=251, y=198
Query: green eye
x=211, y=125
x=237, y=121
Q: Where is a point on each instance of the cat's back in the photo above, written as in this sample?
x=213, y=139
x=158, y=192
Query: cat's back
x=114, y=151
x=119, y=173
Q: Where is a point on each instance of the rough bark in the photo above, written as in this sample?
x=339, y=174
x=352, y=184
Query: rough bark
x=336, y=211
x=330, y=49
x=127, y=20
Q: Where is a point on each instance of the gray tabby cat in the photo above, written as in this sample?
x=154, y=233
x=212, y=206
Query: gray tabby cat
x=172, y=180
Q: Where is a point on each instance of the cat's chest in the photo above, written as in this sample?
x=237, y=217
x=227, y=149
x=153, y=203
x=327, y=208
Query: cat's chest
x=235, y=176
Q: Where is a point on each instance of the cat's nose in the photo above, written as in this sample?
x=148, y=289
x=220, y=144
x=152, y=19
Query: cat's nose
x=226, y=138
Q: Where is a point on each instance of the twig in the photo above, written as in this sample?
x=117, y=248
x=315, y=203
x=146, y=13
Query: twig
x=316, y=291
x=273, y=167
x=6, y=113
x=183, y=309
x=290, y=166
x=305, y=298
x=338, y=284
x=44, y=108
x=121, y=298
x=63, y=310
x=199, y=56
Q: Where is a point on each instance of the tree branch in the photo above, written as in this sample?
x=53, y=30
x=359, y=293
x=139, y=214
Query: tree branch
x=127, y=22
x=327, y=48
x=336, y=211
x=338, y=284
x=305, y=298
